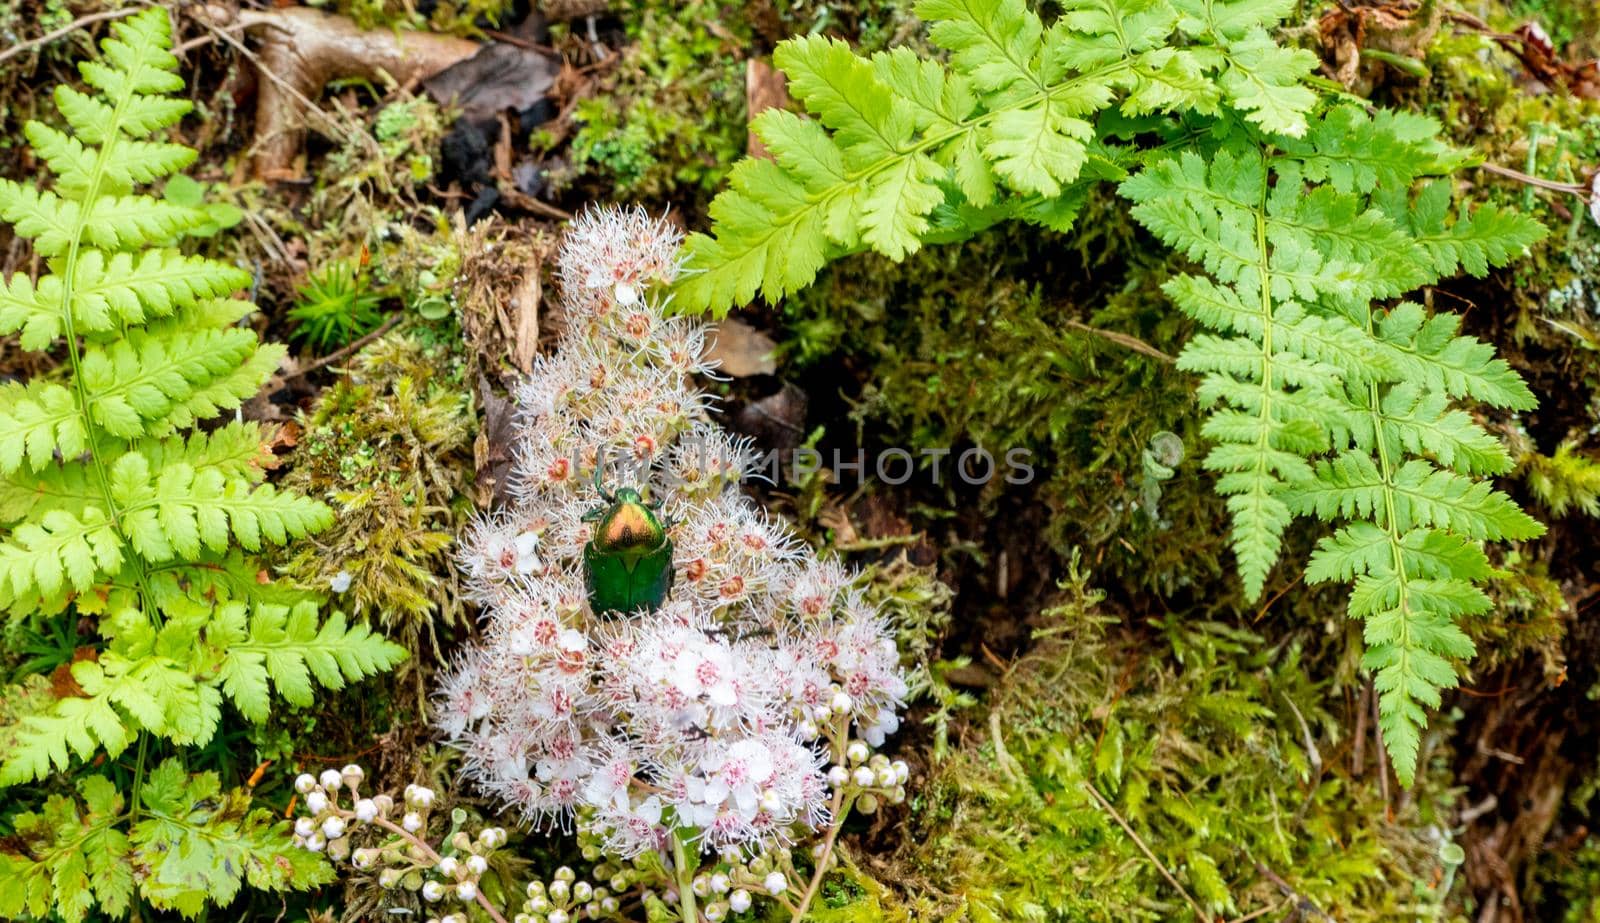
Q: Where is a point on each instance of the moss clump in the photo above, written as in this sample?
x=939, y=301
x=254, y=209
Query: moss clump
x=390, y=448
x=1219, y=751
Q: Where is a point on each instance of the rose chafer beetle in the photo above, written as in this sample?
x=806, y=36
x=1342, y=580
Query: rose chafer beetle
x=627, y=564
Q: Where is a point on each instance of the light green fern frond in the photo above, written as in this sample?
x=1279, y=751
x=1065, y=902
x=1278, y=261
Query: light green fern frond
x=896, y=142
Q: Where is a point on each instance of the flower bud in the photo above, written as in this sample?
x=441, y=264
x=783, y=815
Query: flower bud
x=739, y=901
x=331, y=780
x=316, y=843
x=717, y=912
x=886, y=777
x=863, y=776
x=448, y=866
x=316, y=802
x=771, y=801
x=558, y=916
x=304, y=783
x=701, y=885
x=867, y=804
x=775, y=883
x=610, y=904
x=838, y=775
x=366, y=810
x=565, y=874
x=477, y=864
x=898, y=796
x=809, y=729
x=902, y=772
x=842, y=703
x=352, y=775
x=582, y=891
x=538, y=904
x=304, y=827
x=432, y=891
x=856, y=752
x=720, y=883
x=536, y=888
x=453, y=918
x=492, y=837
x=333, y=828
x=388, y=878
x=466, y=891
x=412, y=822
x=364, y=858
x=384, y=802
x=560, y=891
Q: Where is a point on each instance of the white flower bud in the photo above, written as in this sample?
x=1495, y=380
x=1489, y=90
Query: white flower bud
x=902, y=772
x=720, y=883
x=366, y=810
x=809, y=729
x=701, y=885
x=492, y=837
x=412, y=822
x=558, y=916
x=304, y=783
x=898, y=796
x=419, y=796
x=842, y=703
x=867, y=804
x=316, y=802
x=560, y=891
x=610, y=904
x=448, y=866
x=522, y=918
x=466, y=891
x=316, y=843
x=582, y=891
x=363, y=858
x=857, y=751
x=717, y=912
x=389, y=878
x=739, y=901
x=453, y=918
x=352, y=775
x=477, y=865
x=432, y=891
x=304, y=827
x=886, y=777
x=538, y=904
x=333, y=828
x=863, y=776
x=838, y=775
x=775, y=883
x=536, y=888
x=331, y=780
x=565, y=874
x=771, y=801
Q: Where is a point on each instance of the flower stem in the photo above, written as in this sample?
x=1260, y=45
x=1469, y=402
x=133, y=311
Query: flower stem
x=841, y=809
x=431, y=854
x=680, y=861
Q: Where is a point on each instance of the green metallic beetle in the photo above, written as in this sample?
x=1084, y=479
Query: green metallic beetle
x=628, y=563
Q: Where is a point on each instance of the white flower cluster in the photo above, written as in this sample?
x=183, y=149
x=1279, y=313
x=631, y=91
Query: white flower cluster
x=716, y=715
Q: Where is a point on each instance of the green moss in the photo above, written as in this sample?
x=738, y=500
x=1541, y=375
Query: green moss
x=390, y=448
x=1219, y=751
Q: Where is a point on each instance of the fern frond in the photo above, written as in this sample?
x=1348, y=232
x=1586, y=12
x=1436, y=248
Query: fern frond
x=905, y=150
x=40, y=419
x=284, y=647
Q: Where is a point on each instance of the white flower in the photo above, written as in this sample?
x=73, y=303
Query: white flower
x=527, y=546
x=776, y=883
x=340, y=582
x=739, y=901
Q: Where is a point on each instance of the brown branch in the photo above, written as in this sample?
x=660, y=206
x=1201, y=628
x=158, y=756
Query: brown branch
x=1576, y=189
x=68, y=29
x=335, y=356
